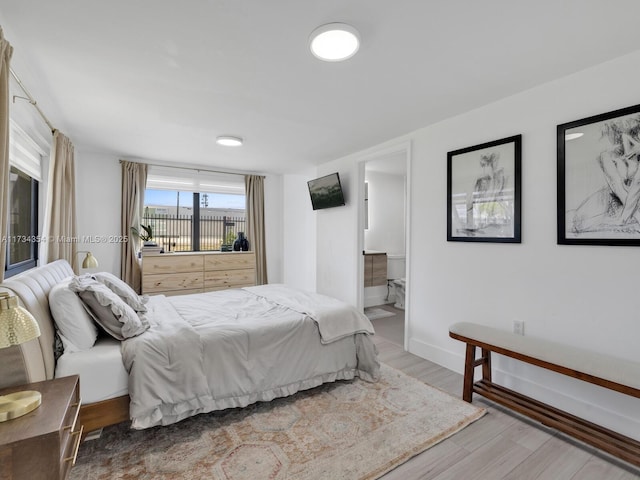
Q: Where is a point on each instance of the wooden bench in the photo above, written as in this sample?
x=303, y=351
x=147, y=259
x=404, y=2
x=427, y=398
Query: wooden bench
x=606, y=371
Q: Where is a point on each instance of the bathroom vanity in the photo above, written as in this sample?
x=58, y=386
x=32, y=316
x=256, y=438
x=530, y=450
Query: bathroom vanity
x=375, y=269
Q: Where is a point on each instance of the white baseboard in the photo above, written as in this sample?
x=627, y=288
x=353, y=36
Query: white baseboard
x=438, y=355
x=604, y=407
x=375, y=296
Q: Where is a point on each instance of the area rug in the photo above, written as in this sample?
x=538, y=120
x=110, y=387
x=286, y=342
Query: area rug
x=375, y=313
x=346, y=430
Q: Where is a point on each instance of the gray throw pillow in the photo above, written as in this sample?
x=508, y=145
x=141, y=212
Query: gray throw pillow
x=109, y=310
x=123, y=290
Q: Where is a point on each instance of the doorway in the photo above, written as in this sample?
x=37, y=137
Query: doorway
x=384, y=240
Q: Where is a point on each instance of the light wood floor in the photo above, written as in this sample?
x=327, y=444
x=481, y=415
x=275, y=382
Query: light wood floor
x=501, y=445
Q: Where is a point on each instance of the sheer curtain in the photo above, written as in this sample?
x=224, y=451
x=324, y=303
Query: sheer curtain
x=254, y=189
x=134, y=179
x=60, y=216
x=5, y=59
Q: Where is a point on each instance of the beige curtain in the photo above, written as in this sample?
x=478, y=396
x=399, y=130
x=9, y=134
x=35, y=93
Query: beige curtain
x=134, y=180
x=5, y=58
x=60, y=217
x=254, y=187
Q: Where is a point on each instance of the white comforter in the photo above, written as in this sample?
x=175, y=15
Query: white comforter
x=218, y=350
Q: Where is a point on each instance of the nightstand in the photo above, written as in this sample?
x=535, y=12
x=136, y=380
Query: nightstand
x=43, y=444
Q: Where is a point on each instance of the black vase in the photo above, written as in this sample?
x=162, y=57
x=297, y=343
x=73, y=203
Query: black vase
x=241, y=243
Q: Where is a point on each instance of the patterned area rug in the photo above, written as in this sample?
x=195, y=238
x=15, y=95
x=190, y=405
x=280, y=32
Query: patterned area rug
x=345, y=430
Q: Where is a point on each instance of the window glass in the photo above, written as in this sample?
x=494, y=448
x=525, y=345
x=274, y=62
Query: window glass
x=193, y=221
x=22, y=247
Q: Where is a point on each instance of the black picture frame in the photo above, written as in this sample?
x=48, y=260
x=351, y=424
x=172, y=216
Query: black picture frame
x=484, y=192
x=599, y=179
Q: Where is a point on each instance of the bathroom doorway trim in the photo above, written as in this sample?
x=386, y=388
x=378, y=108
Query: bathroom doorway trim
x=400, y=147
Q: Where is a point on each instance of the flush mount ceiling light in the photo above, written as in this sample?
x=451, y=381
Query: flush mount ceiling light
x=229, y=141
x=334, y=42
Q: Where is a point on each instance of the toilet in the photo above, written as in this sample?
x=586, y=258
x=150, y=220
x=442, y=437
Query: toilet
x=399, y=285
x=396, y=269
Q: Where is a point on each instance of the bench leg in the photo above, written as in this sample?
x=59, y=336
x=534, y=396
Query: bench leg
x=470, y=363
x=469, y=366
x=486, y=365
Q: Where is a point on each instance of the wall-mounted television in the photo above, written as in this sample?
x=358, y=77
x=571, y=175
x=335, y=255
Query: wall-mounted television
x=326, y=192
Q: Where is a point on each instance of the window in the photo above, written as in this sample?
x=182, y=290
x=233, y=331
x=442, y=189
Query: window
x=24, y=176
x=193, y=211
x=22, y=245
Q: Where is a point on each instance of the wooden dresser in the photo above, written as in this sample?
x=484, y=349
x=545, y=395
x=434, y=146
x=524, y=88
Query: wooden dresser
x=197, y=272
x=375, y=269
x=43, y=444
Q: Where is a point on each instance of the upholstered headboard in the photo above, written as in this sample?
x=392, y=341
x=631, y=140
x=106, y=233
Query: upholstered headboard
x=34, y=360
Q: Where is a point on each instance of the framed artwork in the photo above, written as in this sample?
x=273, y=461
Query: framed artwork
x=483, y=192
x=599, y=179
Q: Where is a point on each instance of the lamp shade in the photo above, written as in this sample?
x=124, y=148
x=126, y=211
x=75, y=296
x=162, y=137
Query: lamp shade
x=17, y=325
x=89, y=261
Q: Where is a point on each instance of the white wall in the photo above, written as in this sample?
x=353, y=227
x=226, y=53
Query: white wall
x=337, y=230
x=386, y=230
x=273, y=226
x=577, y=295
x=299, y=234
x=98, y=187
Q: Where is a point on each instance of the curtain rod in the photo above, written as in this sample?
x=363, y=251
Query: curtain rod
x=191, y=168
x=30, y=99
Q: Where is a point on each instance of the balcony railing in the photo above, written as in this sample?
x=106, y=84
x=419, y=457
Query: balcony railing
x=175, y=232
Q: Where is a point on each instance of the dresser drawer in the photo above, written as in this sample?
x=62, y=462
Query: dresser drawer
x=172, y=263
x=172, y=281
x=229, y=261
x=229, y=278
x=42, y=444
x=70, y=435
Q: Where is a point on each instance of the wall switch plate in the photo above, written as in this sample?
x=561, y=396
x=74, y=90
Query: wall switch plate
x=518, y=327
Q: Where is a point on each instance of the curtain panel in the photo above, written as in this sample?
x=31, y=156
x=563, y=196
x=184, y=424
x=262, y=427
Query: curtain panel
x=134, y=180
x=6, y=51
x=60, y=216
x=254, y=187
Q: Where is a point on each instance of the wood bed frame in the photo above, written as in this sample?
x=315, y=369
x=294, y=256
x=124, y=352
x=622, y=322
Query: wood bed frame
x=476, y=336
x=95, y=416
x=34, y=361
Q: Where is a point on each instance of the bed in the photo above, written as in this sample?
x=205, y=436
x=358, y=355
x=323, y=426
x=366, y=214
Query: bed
x=263, y=342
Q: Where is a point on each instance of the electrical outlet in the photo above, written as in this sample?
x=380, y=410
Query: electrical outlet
x=518, y=327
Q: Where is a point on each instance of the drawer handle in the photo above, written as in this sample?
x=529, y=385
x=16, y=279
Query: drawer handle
x=75, y=419
x=78, y=433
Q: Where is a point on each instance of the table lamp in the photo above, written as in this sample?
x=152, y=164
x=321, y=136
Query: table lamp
x=89, y=260
x=17, y=326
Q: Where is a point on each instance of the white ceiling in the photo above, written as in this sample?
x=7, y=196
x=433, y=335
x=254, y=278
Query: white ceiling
x=160, y=79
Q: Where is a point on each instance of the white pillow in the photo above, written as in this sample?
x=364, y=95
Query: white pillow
x=75, y=325
x=123, y=290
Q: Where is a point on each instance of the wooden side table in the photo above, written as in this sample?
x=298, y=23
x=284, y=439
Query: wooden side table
x=43, y=444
